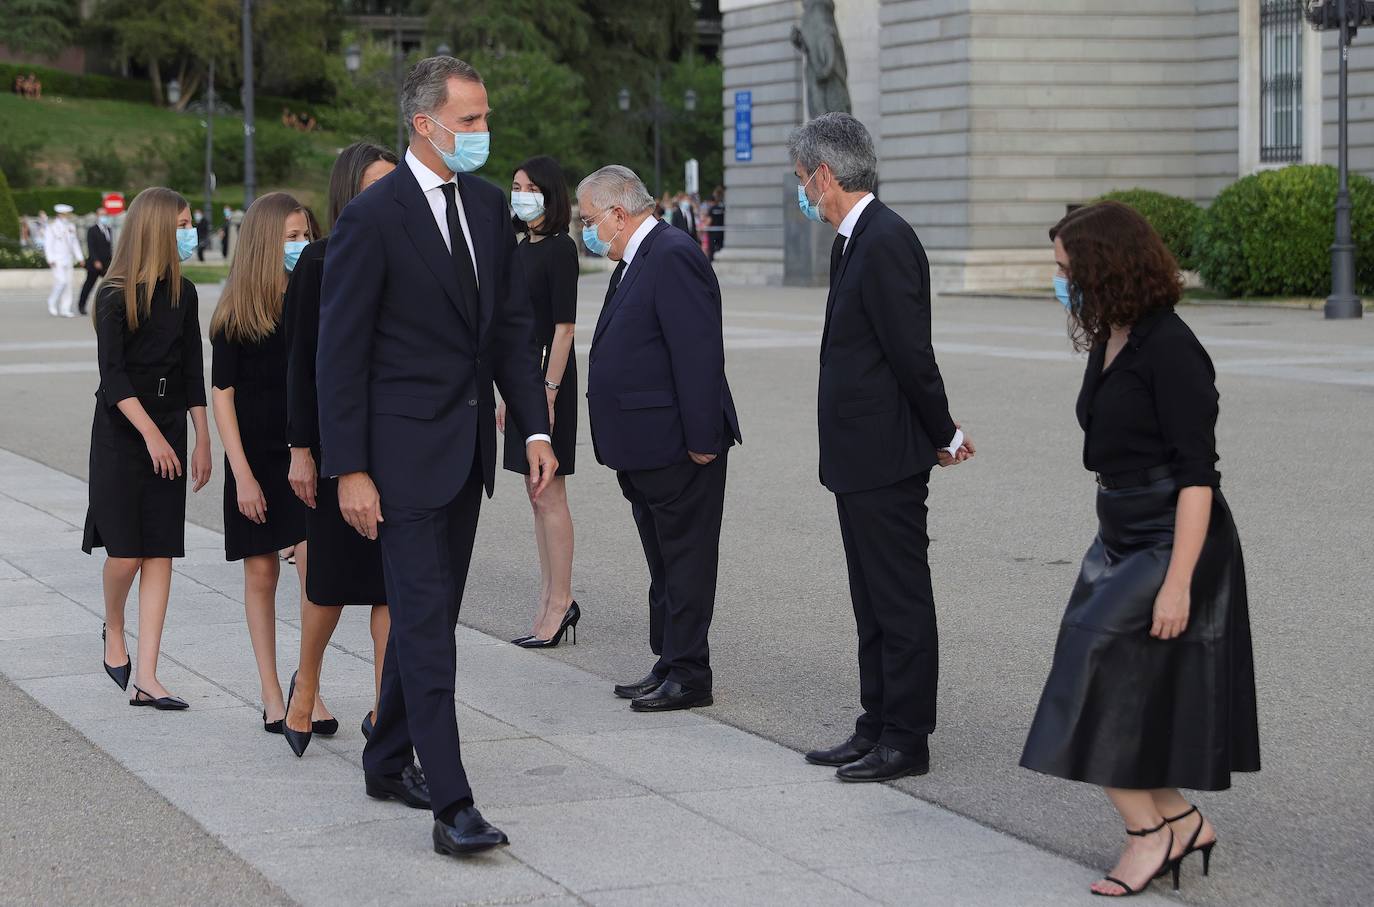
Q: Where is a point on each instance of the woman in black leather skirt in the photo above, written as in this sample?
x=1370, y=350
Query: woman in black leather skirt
x=1152, y=686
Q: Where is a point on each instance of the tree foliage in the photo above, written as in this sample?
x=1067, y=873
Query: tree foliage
x=41, y=27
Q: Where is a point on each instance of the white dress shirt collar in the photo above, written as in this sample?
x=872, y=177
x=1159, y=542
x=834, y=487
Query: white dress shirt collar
x=636, y=238
x=851, y=220
x=427, y=178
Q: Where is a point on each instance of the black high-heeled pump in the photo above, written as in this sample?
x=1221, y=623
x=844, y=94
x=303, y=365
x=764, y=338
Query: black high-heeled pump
x=325, y=727
x=367, y=725
x=119, y=675
x=298, y=740
x=1164, y=867
x=1193, y=845
x=568, y=625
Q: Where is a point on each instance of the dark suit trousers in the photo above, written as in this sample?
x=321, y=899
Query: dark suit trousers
x=678, y=510
x=92, y=276
x=425, y=554
x=886, y=546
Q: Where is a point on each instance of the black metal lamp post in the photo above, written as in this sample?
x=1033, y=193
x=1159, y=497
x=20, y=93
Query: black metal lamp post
x=1347, y=16
x=250, y=174
x=658, y=114
x=210, y=145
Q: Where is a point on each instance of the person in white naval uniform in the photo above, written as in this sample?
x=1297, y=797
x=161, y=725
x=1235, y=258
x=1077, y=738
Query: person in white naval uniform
x=63, y=251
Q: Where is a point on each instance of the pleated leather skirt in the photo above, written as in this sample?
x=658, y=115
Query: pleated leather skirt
x=1123, y=709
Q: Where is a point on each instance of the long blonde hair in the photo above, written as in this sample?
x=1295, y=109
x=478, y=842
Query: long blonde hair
x=147, y=252
x=250, y=307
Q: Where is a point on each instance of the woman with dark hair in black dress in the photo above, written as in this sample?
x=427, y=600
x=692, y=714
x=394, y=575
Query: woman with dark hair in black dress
x=345, y=568
x=542, y=211
x=1153, y=685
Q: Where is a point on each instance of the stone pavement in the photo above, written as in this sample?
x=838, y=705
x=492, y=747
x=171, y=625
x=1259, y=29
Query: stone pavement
x=603, y=806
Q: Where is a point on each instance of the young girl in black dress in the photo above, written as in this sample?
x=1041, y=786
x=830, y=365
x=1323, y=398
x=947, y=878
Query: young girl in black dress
x=542, y=209
x=147, y=330
x=261, y=513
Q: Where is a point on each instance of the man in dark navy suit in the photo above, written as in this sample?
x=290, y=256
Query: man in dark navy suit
x=423, y=306
x=663, y=419
x=884, y=423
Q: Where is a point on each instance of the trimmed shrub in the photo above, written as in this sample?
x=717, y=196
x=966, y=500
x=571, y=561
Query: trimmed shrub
x=9, y=215
x=1174, y=219
x=99, y=165
x=83, y=198
x=71, y=85
x=16, y=159
x=12, y=256
x=1270, y=233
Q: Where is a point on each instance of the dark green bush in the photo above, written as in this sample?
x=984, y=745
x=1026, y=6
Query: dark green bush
x=57, y=82
x=9, y=215
x=83, y=198
x=17, y=155
x=12, y=256
x=101, y=166
x=1270, y=233
x=181, y=159
x=1174, y=219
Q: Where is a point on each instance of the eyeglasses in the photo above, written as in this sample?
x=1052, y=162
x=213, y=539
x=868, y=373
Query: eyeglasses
x=596, y=219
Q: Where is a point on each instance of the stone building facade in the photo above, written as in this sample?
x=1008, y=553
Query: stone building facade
x=990, y=116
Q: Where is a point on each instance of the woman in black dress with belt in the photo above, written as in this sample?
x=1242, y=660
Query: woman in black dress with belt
x=147, y=328
x=1152, y=686
x=248, y=373
x=548, y=256
x=345, y=568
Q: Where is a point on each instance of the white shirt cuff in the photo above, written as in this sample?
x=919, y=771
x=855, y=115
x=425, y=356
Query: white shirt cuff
x=953, y=448
x=532, y=438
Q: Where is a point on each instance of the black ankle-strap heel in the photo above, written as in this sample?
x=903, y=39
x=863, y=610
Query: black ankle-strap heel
x=1193, y=846
x=1164, y=867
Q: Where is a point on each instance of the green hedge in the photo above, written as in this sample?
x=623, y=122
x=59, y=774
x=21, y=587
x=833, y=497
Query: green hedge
x=83, y=198
x=1270, y=233
x=58, y=82
x=1174, y=219
x=12, y=256
x=9, y=215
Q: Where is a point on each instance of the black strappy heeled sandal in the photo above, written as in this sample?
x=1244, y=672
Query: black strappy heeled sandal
x=1193, y=845
x=1163, y=867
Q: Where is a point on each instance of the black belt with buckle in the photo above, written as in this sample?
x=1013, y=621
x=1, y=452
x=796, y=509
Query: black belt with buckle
x=1134, y=478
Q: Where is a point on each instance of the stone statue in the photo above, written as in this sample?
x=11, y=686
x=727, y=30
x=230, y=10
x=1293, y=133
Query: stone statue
x=826, y=81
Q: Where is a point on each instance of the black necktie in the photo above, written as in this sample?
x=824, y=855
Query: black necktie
x=836, y=254
x=615, y=283
x=462, y=260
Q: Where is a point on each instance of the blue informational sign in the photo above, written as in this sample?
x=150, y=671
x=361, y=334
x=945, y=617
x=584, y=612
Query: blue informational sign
x=744, y=125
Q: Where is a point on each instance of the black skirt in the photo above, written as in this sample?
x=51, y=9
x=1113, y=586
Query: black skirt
x=285, y=524
x=134, y=512
x=1123, y=709
x=342, y=567
x=564, y=428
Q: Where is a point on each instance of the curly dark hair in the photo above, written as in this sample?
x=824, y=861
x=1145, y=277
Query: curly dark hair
x=1119, y=267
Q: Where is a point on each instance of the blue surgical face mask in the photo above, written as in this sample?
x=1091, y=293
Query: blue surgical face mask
x=187, y=242
x=528, y=206
x=292, y=253
x=812, y=211
x=470, y=149
x=591, y=237
x=1069, y=296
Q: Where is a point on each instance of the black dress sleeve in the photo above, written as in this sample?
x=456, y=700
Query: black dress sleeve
x=562, y=274
x=302, y=324
x=110, y=322
x=224, y=362
x=1186, y=406
x=192, y=357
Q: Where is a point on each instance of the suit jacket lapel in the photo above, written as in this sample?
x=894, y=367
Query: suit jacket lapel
x=631, y=275
x=480, y=232
x=429, y=242
x=864, y=220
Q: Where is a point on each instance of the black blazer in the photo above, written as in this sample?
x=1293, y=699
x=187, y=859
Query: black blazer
x=404, y=379
x=881, y=406
x=97, y=249
x=656, y=385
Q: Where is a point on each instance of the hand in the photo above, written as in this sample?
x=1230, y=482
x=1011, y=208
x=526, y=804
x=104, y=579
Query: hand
x=252, y=504
x=501, y=417
x=700, y=459
x=98, y=266
x=552, y=395
x=360, y=504
x=1171, y=611
x=302, y=475
x=200, y=465
x=81, y=264
x=165, y=462
x=543, y=464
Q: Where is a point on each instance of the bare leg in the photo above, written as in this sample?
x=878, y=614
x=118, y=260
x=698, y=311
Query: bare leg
x=1143, y=855
x=117, y=578
x=542, y=543
x=154, y=589
x=381, y=629
x=1170, y=802
x=317, y=626
x=551, y=511
x=260, y=574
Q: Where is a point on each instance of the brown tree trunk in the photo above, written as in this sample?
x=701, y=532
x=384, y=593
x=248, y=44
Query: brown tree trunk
x=155, y=75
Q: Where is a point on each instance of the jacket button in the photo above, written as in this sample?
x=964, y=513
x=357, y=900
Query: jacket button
x=472, y=402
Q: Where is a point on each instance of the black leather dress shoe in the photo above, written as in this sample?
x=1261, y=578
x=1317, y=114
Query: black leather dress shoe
x=409, y=787
x=671, y=696
x=639, y=688
x=469, y=834
x=885, y=764
x=852, y=750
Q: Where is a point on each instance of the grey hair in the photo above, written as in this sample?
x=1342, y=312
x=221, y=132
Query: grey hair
x=841, y=141
x=426, y=87
x=614, y=186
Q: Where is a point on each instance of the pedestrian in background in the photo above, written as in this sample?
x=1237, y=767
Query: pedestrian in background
x=547, y=255
x=344, y=567
x=63, y=251
x=262, y=515
x=202, y=234
x=717, y=210
x=147, y=330
x=99, y=250
x=1152, y=686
